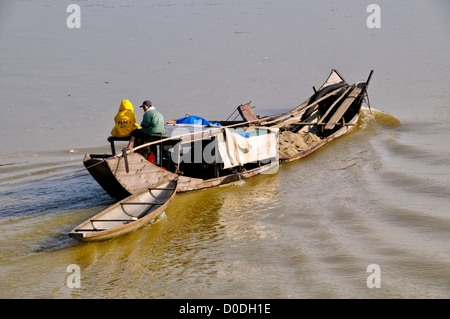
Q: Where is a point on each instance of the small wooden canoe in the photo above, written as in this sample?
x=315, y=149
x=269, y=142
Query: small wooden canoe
x=127, y=215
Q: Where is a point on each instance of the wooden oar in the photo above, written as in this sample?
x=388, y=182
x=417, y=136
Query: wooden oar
x=188, y=134
x=218, y=127
x=160, y=141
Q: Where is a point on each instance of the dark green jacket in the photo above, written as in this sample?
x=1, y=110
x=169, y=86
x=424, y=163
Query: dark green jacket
x=153, y=122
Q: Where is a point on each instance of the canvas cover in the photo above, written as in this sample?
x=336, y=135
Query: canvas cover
x=333, y=78
x=239, y=148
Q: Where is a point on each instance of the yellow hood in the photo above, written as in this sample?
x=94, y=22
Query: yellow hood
x=126, y=106
x=125, y=120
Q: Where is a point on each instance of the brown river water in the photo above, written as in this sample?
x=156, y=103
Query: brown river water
x=377, y=196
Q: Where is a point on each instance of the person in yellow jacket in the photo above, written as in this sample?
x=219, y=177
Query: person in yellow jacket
x=125, y=120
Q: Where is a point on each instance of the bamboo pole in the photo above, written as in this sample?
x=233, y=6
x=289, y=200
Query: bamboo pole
x=126, y=152
x=219, y=128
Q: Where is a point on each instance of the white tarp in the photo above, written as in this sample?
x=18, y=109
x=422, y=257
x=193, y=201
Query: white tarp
x=333, y=78
x=235, y=149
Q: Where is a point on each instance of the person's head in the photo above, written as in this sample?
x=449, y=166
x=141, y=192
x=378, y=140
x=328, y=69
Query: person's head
x=146, y=105
x=126, y=105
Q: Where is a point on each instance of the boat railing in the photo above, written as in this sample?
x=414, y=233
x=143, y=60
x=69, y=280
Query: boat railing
x=113, y=139
x=264, y=121
x=212, y=129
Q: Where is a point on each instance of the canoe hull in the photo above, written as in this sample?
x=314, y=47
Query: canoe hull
x=127, y=215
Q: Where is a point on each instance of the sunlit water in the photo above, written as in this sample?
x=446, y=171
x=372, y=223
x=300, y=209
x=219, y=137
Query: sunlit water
x=379, y=195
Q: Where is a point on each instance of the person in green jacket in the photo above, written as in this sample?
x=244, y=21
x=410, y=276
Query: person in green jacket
x=152, y=125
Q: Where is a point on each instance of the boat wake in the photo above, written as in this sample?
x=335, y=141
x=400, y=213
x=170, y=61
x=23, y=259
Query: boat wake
x=374, y=119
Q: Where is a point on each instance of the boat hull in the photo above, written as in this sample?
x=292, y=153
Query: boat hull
x=112, y=176
x=127, y=215
x=342, y=131
x=122, y=176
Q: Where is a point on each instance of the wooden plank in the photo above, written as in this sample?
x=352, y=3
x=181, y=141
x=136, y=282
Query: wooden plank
x=343, y=108
x=333, y=105
x=313, y=123
x=150, y=203
x=113, y=220
x=143, y=174
x=303, y=107
x=247, y=113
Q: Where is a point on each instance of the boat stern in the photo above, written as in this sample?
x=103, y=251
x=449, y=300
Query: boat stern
x=101, y=172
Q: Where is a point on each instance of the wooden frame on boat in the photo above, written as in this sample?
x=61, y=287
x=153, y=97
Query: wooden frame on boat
x=329, y=113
